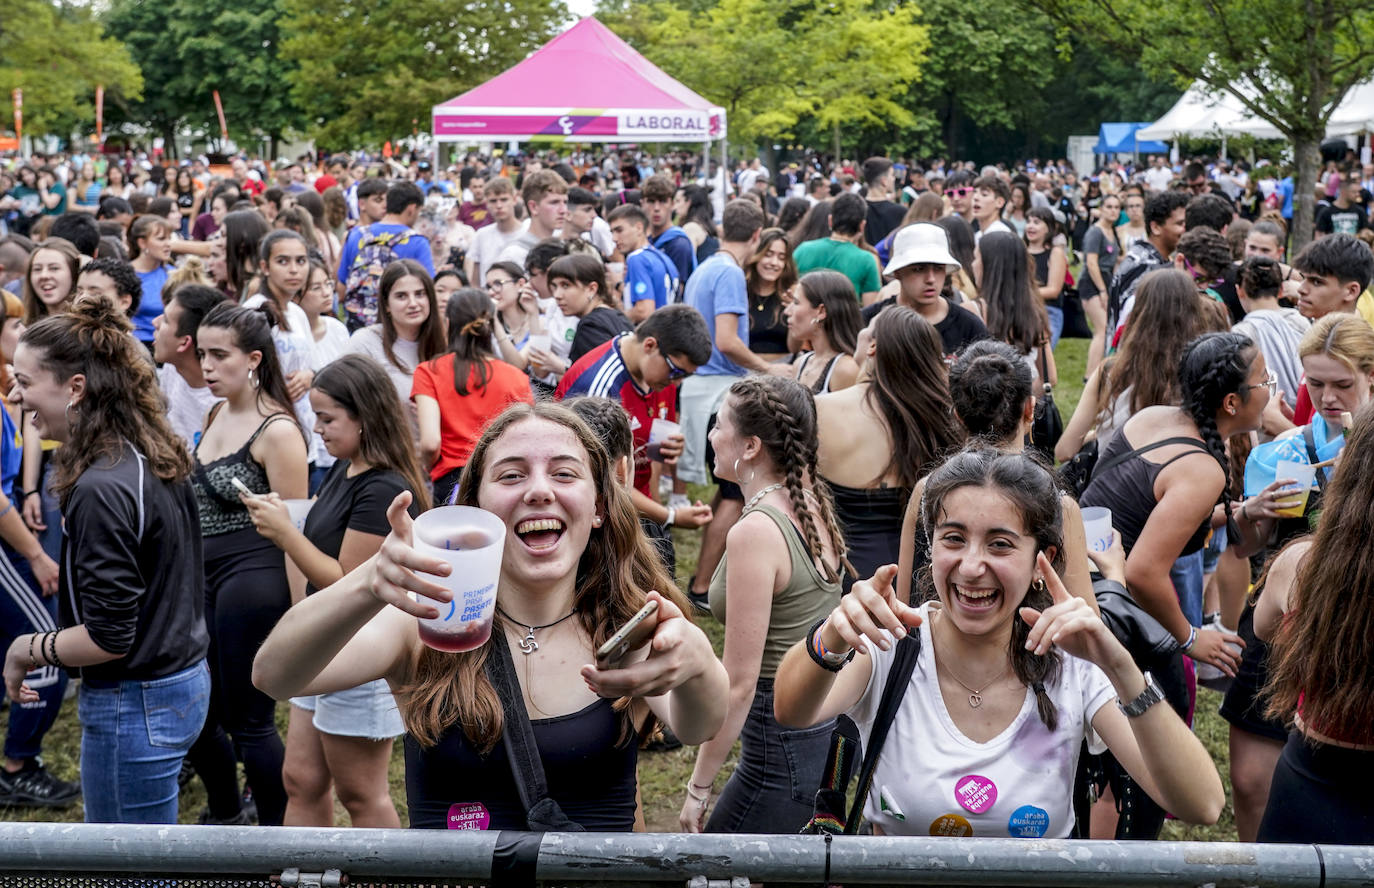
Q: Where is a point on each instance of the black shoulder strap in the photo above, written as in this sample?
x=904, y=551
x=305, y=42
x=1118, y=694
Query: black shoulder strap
x=898, y=677
x=1312, y=456
x=1122, y=457
x=541, y=811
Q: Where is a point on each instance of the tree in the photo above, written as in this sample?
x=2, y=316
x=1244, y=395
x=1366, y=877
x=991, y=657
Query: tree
x=1290, y=62
x=368, y=72
x=191, y=48
x=58, y=56
x=773, y=63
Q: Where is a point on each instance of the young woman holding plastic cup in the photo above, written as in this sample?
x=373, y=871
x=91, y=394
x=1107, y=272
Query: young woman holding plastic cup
x=343, y=740
x=1338, y=369
x=574, y=567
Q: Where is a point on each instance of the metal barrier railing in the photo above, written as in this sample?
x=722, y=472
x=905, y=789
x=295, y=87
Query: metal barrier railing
x=48, y=855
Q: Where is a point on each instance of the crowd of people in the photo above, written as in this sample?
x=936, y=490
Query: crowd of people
x=227, y=403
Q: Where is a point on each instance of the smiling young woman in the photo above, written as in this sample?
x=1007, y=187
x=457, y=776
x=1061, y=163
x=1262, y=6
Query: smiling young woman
x=1014, y=673
x=576, y=564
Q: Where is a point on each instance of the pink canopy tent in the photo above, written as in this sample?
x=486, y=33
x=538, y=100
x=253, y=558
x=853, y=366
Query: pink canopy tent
x=585, y=85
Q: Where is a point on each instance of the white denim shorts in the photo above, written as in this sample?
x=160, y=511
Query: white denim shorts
x=367, y=711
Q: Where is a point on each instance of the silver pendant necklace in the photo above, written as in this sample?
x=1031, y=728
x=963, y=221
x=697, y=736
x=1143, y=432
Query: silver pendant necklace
x=527, y=644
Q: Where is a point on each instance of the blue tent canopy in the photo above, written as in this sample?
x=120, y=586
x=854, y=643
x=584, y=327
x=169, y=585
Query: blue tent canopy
x=1119, y=138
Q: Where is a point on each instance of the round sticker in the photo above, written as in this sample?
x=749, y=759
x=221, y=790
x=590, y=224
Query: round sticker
x=641, y=287
x=1028, y=822
x=468, y=815
x=976, y=793
x=950, y=825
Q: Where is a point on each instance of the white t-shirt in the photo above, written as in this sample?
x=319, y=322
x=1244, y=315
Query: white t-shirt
x=994, y=225
x=368, y=341
x=1158, y=178
x=488, y=243
x=932, y=780
x=296, y=351
x=186, y=406
x=333, y=345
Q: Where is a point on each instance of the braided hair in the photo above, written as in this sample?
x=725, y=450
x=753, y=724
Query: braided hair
x=1213, y=366
x=781, y=413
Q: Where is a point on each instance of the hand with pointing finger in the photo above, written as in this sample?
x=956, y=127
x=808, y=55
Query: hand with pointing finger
x=870, y=607
x=1069, y=624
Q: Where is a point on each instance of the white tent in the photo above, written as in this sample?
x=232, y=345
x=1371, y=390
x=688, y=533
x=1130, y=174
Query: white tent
x=1200, y=113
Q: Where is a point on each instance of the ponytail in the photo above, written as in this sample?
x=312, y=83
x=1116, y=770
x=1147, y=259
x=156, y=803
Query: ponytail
x=121, y=402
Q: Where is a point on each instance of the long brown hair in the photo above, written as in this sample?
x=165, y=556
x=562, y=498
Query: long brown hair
x=1324, y=650
x=360, y=386
x=1167, y=316
x=122, y=400
x=767, y=238
x=1033, y=490
x=614, y=576
x=35, y=308
x=782, y=414
x=430, y=340
x=910, y=391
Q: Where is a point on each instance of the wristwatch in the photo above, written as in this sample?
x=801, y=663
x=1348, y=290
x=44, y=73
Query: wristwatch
x=1147, y=698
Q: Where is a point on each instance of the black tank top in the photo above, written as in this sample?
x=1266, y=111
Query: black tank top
x=767, y=326
x=590, y=773
x=1125, y=483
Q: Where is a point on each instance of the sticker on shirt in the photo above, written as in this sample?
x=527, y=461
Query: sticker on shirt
x=951, y=826
x=976, y=793
x=888, y=806
x=1028, y=822
x=468, y=815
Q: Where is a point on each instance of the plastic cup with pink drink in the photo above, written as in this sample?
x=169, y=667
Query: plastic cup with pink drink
x=659, y=431
x=471, y=540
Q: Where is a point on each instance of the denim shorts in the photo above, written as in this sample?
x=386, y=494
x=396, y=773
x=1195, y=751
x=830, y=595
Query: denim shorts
x=134, y=735
x=773, y=788
x=367, y=711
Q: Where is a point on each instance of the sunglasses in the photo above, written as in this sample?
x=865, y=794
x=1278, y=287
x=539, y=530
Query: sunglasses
x=958, y=192
x=674, y=371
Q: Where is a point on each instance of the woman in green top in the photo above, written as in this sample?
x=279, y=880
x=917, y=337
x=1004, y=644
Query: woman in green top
x=785, y=574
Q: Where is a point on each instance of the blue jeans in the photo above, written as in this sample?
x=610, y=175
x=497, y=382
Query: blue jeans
x=1056, y=324
x=773, y=789
x=134, y=735
x=1186, y=575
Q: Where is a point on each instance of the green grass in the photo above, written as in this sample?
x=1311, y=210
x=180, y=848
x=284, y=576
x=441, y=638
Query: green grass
x=663, y=776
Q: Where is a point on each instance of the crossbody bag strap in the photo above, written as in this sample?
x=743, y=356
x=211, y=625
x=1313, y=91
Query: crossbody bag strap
x=898, y=678
x=1310, y=440
x=518, y=735
x=1122, y=457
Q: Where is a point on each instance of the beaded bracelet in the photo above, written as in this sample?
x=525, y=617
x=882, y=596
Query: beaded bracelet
x=52, y=651
x=33, y=661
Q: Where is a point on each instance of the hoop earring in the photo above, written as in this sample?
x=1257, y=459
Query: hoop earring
x=252, y=377
x=1039, y=585
x=743, y=481
x=68, y=410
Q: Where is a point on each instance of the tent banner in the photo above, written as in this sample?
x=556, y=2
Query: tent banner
x=579, y=124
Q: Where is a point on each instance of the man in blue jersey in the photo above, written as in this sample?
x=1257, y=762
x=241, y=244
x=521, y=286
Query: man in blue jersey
x=650, y=276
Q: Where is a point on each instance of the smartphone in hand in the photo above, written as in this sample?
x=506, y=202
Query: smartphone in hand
x=633, y=635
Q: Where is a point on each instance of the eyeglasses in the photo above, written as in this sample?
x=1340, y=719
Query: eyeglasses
x=1271, y=382
x=496, y=285
x=1200, y=276
x=674, y=371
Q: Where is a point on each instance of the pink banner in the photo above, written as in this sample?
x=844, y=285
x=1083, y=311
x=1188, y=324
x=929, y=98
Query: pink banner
x=481, y=126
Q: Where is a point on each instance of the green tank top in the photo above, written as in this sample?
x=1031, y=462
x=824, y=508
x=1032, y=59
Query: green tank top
x=806, y=598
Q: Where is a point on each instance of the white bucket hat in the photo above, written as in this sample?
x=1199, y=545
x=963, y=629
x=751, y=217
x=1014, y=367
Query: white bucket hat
x=923, y=243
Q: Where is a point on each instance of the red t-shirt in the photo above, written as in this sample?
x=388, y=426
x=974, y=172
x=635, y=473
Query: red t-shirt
x=602, y=373
x=462, y=419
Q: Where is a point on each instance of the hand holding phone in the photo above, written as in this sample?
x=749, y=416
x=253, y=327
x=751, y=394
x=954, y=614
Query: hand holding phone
x=242, y=488
x=633, y=635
